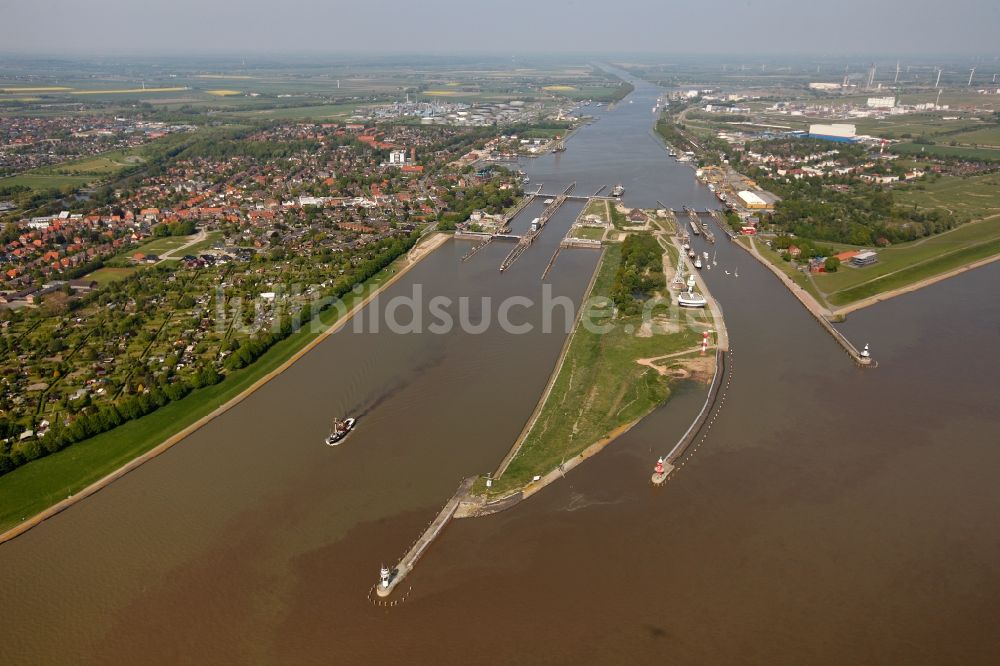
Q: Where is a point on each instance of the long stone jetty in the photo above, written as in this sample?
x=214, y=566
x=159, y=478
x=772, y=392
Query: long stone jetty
x=405, y=565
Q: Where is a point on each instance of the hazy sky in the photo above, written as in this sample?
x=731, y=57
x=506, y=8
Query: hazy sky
x=828, y=27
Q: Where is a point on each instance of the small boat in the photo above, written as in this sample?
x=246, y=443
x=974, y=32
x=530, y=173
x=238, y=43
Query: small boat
x=697, y=262
x=618, y=191
x=339, y=431
x=691, y=254
x=686, y=246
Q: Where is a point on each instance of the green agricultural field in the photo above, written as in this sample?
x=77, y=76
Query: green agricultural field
x=38, y=181
x=975, y=197
x=919, y=124
x=960, y=152
x=316, y=112
x=98, y=165
x=984, y=136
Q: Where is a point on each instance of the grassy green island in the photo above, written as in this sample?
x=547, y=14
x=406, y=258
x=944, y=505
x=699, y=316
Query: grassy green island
x=600, y=385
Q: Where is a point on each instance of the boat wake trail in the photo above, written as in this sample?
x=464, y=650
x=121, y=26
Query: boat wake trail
x=369, y=406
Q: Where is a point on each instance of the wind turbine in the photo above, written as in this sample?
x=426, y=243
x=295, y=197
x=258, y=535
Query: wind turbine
x=896, y=80
x=972, y=73
x=937, y=83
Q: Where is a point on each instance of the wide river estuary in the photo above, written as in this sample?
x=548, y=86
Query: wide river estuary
x=834, y=515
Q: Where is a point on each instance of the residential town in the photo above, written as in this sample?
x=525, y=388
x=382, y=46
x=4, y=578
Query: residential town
x=30, y=142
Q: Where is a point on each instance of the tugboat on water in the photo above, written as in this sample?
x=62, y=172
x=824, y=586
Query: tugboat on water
x=618, y=191
x=340, y=430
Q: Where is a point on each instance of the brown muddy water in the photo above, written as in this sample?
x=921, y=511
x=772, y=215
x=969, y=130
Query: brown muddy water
x=834, y=515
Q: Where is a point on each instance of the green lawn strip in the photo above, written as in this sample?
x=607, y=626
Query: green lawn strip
x=592, y=233
x=33, y=487
x=106, y=275
x=599, y=388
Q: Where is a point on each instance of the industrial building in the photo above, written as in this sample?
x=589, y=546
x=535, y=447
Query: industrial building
x=825, y=86
x=838, y=132
x=751, y=201
x=881, y=102
x=866, y=258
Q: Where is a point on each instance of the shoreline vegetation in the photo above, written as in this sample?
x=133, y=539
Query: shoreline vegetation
x=31, y=494
x=911, y=278
x=604, y=383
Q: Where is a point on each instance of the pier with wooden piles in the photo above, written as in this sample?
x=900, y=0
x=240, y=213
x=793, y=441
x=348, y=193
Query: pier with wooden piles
x=698, y=430
x=392, y=577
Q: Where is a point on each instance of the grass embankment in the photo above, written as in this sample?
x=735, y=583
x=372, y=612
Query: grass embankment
x=929, y=268
x=599, y=385
x=36, y=486
x=899, y=265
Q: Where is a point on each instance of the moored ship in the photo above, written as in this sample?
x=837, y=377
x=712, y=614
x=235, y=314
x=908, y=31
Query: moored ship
x=691, y=298
x=618, y=191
